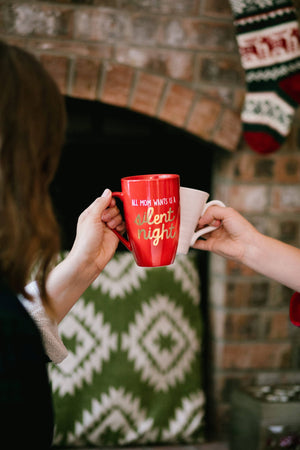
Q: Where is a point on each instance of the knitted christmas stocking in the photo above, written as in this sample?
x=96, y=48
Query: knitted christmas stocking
x=268, y=38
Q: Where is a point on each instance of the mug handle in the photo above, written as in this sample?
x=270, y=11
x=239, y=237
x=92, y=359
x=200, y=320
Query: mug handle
x=205, y=230
x=124, y=241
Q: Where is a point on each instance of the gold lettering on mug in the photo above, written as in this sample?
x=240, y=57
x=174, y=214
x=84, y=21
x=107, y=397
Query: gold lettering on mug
x=158, y=218
x=158, y=233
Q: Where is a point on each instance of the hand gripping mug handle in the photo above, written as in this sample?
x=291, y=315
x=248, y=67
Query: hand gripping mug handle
x=122, y=239
x=205, y=230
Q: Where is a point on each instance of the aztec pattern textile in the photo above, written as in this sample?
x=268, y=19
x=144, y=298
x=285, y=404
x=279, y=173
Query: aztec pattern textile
x=268, y=38
x=133, y=373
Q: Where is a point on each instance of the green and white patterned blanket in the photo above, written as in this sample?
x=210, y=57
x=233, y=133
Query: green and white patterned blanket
x=133, y=374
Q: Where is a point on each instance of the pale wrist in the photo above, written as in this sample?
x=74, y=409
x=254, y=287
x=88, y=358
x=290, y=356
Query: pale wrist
x=84, y=269
x=68, y=281
x=253, y=250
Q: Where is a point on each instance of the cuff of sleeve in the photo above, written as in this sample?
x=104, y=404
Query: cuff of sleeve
x=53, y=344
x=295, y=309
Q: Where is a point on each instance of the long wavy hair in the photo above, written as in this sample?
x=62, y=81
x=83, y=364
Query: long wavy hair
x=32, y=129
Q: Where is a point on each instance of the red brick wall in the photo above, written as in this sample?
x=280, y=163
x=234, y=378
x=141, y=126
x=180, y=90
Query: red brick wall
x=253, y=340
x=164, y=59
x=177, y=60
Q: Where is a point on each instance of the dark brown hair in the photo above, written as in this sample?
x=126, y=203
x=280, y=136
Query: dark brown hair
x=32, y=127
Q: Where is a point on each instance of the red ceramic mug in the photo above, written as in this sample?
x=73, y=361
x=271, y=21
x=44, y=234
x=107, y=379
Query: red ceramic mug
x=152, y=217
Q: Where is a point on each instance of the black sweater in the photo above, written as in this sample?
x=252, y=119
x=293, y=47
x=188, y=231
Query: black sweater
x=25, y=397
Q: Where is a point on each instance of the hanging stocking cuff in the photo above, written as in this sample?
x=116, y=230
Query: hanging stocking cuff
x=295, y=309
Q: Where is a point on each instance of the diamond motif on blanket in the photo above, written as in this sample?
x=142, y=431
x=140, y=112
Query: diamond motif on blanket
x=161, y=343
x=120, y=277
x=185, y=272
x=115, y=418
x=188, y=418
x=91, y=343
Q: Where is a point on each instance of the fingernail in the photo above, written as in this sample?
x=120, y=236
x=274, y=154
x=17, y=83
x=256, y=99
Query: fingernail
x=106, y=193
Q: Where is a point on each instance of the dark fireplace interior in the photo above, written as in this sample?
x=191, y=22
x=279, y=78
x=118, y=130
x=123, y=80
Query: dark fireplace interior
x=105, y=143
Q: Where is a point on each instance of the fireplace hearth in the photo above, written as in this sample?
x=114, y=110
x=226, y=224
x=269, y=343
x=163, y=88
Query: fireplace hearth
x=104, y=143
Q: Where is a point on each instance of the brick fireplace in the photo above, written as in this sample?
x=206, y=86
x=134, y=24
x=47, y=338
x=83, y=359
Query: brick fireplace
x=177, y=62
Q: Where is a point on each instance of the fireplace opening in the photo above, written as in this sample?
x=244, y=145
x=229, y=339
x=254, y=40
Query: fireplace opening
x=105, y=143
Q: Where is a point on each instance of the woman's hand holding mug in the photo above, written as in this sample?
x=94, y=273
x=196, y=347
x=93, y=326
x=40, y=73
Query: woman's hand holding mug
x=192, y=206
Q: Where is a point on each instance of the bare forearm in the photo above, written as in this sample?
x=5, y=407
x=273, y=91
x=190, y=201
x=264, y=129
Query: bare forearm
x=237, y=239
x=94, y=246
x=275, y=260
x=66, y=283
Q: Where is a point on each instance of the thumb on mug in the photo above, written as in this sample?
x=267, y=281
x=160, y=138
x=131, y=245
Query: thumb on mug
x=106, y=193
x=103, y=202
x=97, y=207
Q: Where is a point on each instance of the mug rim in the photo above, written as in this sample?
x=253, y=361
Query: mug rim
x=152, y=177
x=193, y=189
